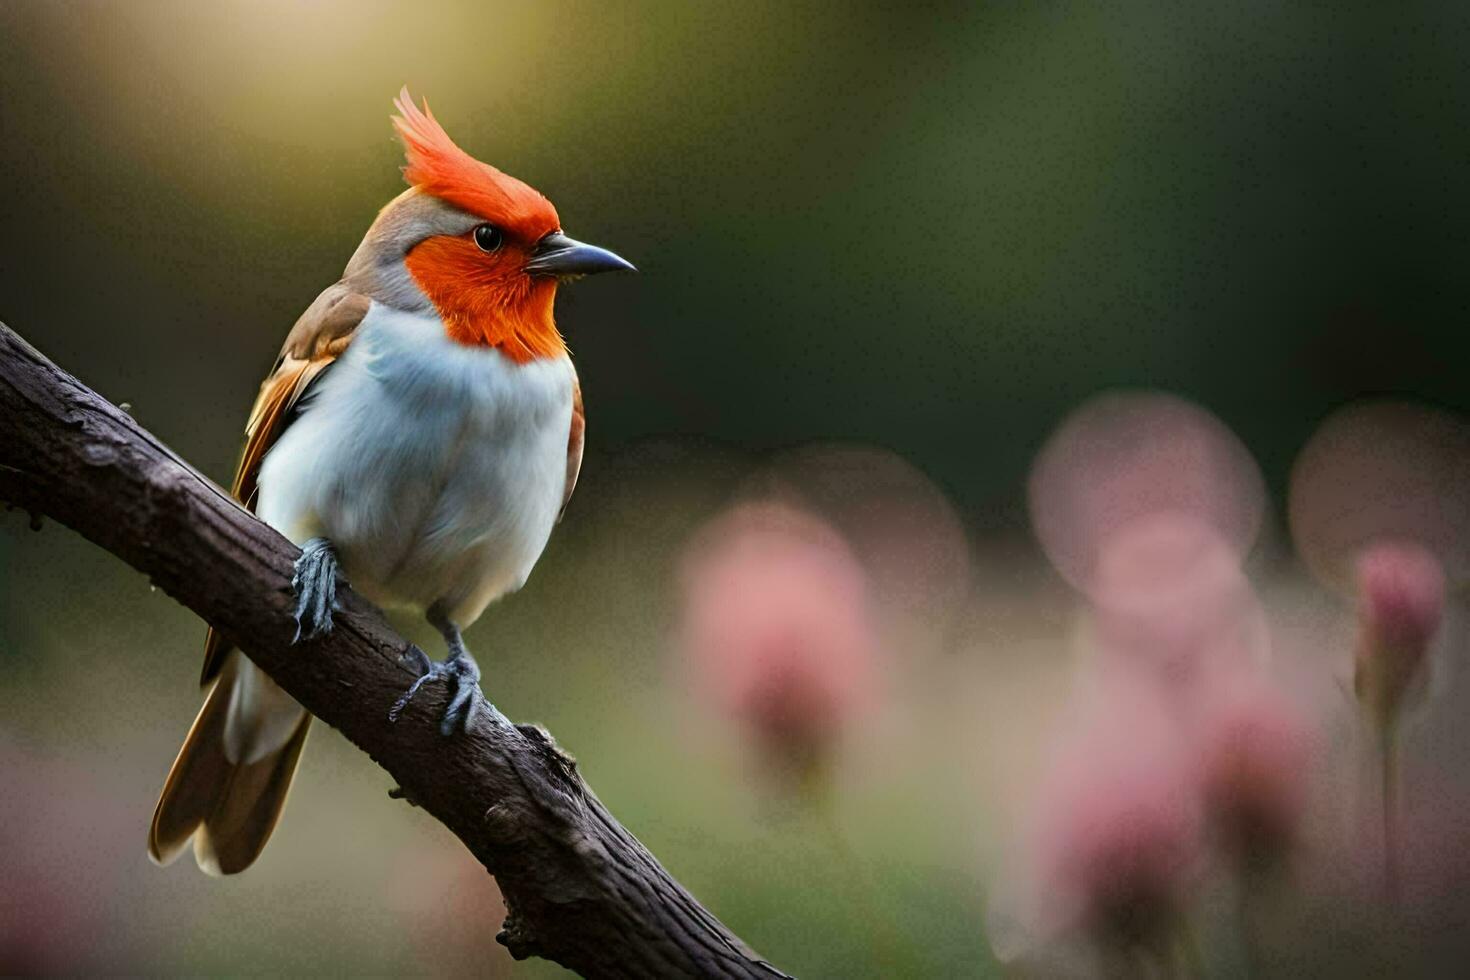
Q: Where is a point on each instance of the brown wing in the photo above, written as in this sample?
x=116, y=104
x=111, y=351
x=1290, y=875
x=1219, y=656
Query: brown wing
x=318, y=338
x=576, y=440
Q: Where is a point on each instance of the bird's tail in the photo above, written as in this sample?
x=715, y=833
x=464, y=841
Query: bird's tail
x=229, y=783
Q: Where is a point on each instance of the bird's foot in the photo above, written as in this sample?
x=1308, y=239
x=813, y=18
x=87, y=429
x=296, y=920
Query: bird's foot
x=315, y=585
x=460, y=673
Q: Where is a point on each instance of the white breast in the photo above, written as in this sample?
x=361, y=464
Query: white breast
x=437, y=469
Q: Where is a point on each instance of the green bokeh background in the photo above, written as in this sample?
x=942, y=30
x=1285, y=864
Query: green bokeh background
x=933, y=230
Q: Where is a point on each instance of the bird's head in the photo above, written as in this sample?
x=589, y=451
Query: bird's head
x=481, y=248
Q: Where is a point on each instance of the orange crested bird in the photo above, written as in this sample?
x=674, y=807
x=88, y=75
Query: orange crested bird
x=421, y=431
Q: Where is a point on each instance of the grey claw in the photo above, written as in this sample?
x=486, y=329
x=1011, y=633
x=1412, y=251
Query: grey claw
x=461, y=710
x=315, y=585
x=407, y=696
x=462, y=675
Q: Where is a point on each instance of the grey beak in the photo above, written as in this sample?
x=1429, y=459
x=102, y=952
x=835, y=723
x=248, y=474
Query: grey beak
x=558, y=255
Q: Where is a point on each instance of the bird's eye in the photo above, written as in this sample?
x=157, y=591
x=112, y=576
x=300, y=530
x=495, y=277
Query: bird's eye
x=488, y=237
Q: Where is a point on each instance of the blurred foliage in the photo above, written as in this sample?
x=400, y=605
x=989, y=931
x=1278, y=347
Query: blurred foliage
x=933, y=231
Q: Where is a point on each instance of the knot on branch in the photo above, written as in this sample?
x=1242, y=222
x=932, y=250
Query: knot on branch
x=516, y=937
x=399, y=793
x=99, y=454
x=558, y=759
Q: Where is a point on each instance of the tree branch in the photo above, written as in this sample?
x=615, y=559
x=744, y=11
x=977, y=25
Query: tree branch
x=579, y=888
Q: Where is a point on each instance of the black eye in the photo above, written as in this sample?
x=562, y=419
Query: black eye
x=488, y=237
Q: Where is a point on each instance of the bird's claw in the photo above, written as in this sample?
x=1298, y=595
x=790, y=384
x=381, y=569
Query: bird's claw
x=315, y=586
x=462, y=675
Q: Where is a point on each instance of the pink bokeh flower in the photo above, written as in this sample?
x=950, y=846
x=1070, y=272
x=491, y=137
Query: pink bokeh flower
x=1117, y=841
x=1126, y=842
x=776, y=626
x=1401, y=596
x=1255, y=751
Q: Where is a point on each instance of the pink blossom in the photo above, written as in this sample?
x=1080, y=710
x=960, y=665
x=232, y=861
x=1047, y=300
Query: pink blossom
x=1120, y=829
x=1401, y=588
x=1401, y=595
x=776, y=626
x=1254, y=756
x=1126, y=851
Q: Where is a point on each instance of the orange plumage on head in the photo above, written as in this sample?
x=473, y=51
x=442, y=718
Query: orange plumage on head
x=483, y=300
x=437, y=166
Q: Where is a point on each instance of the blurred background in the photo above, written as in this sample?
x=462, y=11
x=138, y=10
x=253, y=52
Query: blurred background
x=883, y=254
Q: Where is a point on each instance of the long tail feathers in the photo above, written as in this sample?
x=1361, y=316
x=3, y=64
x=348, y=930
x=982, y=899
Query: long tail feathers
x=228, y=809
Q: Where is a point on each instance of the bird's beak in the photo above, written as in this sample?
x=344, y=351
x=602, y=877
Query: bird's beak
x=558, y=255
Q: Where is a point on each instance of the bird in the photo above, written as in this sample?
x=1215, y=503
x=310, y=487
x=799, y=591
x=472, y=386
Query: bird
x=418, y=437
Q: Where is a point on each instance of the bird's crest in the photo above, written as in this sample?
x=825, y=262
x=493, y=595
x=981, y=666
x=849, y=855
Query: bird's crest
x=437, y=166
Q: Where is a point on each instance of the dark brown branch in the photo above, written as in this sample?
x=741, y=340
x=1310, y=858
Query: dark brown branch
x=580, y=889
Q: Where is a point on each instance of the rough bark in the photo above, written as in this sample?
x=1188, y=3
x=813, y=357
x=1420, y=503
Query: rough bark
x=579, y=888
